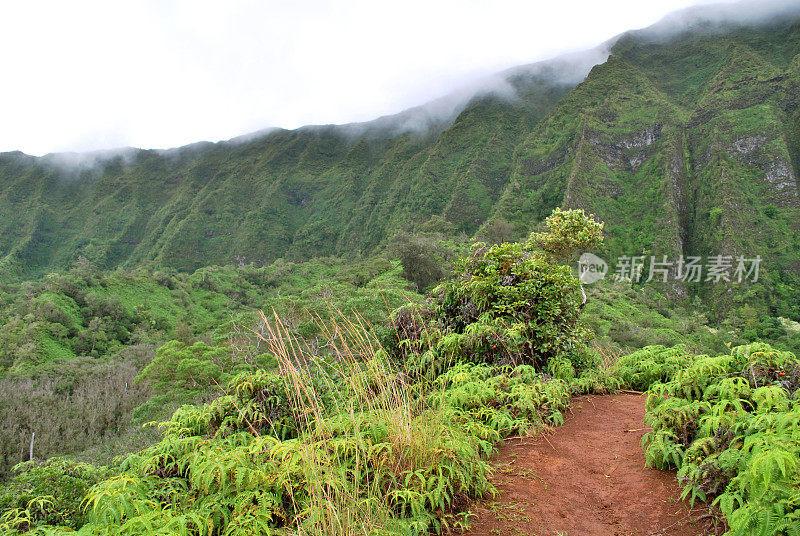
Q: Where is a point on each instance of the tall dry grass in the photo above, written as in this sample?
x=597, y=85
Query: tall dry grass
x=369, y=389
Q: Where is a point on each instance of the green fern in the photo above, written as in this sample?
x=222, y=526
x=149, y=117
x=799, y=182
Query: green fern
x=733, y=430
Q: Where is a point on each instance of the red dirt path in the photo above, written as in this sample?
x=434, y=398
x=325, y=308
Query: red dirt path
x=585, y=478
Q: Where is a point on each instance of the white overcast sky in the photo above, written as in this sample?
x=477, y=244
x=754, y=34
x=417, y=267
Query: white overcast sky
x=82, y=75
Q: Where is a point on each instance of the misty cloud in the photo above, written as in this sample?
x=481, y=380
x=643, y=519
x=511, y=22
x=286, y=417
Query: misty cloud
x=84, y=79
x=71, y=165
x=717, y=17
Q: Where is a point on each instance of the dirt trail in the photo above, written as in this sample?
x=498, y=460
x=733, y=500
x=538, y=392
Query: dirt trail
x=585, y=478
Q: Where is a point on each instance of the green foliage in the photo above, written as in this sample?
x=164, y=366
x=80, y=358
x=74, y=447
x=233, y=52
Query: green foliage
x=422, y=259
x=72, y=344
x=731, y=425
x=497, y=231
x=49, y=493
x=284, y=453
x=340, y=440
x=652, y=364
x=195, y=367
x=568, y=232
x=518, y=400
x=505, y=305
x=625, y=318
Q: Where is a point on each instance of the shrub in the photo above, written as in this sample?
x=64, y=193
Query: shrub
x=51, y=492
x=421, y=258
x=568, y=232
x=509, y=304
x=181, y=366
x=343, y=445
x=496, y=232
x=643, y=368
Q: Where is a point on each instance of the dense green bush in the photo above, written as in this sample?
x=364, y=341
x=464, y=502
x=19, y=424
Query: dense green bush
x=515, y=401
x=343, y=437
x=346, y=446
x=423, y=260
x=344, y=441
x=188, y=367
x=52, y=492
x=643, y=368
x=509, y=304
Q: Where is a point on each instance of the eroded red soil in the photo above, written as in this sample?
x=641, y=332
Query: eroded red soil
x=585, y=478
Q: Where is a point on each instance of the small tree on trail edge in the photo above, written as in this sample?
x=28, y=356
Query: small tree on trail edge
x=507, y=304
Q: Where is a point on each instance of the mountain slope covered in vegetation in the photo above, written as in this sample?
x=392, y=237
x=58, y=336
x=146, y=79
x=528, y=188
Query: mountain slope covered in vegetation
x=683, y=145
x=683, y=148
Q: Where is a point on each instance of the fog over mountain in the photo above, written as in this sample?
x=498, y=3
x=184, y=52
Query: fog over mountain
x=85, y=80
x=568, y=68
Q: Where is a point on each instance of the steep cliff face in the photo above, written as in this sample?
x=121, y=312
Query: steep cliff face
x=608, y=147
x=683, y=147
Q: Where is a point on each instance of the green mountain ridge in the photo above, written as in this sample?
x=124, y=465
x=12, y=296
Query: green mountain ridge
x=687, y=145
x=315, y=191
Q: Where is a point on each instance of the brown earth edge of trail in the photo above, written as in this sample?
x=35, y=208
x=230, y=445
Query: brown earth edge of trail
x=584, y=478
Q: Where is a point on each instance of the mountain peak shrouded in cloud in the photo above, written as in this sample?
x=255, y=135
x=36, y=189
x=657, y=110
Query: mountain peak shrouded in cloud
x=435, y=115
x=82, y=77
x=565, y=70
x=718, y=17
x=277, y=85
x=80, y=161
x=571, y=68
